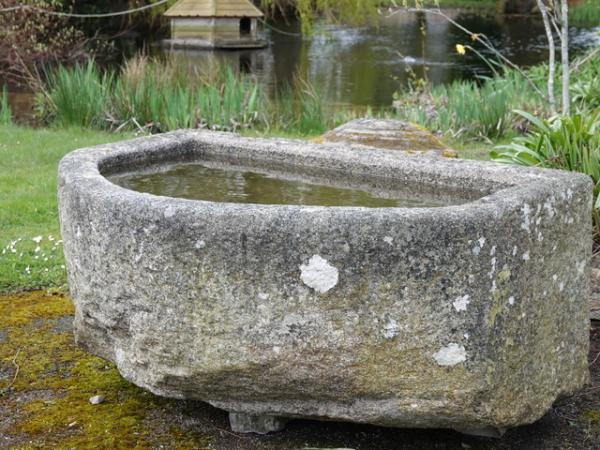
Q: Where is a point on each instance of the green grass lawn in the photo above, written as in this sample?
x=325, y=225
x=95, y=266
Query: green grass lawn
x=31, y=253
x=30, y=247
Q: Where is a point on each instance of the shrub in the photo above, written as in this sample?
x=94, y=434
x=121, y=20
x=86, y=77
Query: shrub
x=568, y=143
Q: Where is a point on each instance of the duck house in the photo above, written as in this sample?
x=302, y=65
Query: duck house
x=228, y=24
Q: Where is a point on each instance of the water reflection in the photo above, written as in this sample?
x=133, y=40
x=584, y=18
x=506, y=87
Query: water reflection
x=366, y=65
x=217, y=184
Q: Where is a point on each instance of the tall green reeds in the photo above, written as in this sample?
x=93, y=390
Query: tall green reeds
x=485, y=109
x=585, y=14
x=159, y=96
x=79, y=96
x=5, y=111
x=298, y=107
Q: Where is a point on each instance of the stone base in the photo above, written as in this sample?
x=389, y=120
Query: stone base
x=209, y=44
x=251, y=423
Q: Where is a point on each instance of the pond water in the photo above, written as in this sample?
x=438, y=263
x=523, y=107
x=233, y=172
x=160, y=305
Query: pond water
x=364, y=66
x=197, y=181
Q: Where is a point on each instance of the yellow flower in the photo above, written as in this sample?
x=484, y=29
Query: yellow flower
x=460, y=49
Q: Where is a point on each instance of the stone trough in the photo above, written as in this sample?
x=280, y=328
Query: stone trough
x=471, y=316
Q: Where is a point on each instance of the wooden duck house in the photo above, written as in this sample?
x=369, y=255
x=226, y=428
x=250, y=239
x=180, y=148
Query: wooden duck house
x=215, y=24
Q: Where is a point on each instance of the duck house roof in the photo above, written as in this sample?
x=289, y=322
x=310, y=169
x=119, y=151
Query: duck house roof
x=213, y=8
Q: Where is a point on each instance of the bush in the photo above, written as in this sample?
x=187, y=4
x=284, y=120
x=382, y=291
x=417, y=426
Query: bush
x=568, y=143
x=29, y=39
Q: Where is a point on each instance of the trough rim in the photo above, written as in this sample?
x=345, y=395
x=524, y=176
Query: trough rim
x=516, y=185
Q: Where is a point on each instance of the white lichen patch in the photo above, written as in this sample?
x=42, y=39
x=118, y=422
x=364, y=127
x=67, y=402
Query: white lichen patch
x=388, y=240
x=549, y=207
x=391, y=329
x=450, y=355
x=526, y=221
x=493, y=268
x=319, y=274
x=169, y=212
x=461, y=303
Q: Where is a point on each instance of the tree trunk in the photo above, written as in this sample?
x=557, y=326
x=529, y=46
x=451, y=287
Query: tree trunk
x=564, y=51
x=551, y=55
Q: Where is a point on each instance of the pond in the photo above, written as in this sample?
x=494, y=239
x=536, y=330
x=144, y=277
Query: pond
x=364, y=66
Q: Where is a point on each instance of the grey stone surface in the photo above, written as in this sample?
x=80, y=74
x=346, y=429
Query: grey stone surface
x=595, y=303
x=471, y=316
x=260, y=424
x=389, y=134
x=97, y=399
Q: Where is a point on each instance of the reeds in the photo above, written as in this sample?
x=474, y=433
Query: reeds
x=159, y=96
x=5, y=111
x=485, y=109
x=585, y=14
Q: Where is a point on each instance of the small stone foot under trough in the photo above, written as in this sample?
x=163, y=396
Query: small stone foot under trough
x=252, y=423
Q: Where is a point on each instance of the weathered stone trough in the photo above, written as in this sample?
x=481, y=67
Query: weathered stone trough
x=471, y=316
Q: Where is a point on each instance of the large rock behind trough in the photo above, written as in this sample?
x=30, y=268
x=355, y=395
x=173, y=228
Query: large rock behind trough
x=389, y=134
x=472, y=316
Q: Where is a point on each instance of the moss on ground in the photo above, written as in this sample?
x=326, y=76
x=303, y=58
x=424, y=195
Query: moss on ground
x=46, y=382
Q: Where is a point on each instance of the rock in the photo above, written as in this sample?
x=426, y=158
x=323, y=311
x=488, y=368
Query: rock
x=595, y=303
x=473, y=316
x=97, y=399
x=390, y=135
x=595, y=307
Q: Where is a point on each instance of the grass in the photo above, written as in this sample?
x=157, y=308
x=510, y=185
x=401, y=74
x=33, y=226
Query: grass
x=30, y=247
